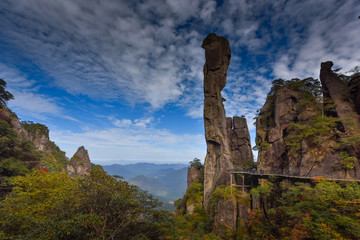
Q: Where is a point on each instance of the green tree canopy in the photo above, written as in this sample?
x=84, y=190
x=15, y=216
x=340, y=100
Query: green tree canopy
x=196, y=163
x=4, y=95
x=47, y=205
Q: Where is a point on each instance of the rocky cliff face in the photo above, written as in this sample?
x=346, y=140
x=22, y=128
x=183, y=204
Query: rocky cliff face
x=339, y=92
x=218, y=158
x=194, y=173
x=80, y=163
x=298, y=135
x=52, y=157
x=274, y=118
x=239, y=137
x=36, y=133
x=354, y=87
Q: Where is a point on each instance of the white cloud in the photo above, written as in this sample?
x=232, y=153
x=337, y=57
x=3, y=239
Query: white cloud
x=149, y=52
x=143, y=122
x=122, y=122
x=27, y=100
x=329, y=34
x=133, y=143
x=37, y=105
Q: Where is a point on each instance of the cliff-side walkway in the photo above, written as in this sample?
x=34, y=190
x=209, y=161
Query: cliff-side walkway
x=260, y=175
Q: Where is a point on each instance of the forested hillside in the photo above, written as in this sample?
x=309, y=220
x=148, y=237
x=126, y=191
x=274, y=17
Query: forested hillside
x=44, y=195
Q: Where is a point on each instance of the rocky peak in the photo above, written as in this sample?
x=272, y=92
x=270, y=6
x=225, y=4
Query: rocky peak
x=338, y=91
x=80, y=163
x=218, y=158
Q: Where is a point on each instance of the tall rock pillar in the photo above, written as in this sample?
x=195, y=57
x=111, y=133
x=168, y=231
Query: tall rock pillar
x=218, y=158
x=239, y=137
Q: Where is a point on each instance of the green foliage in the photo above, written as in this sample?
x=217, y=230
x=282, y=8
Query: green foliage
x=50, y=162
x=196, y=163
x=224, y=192
x=327, y=211
x=314, y=130
x=346, y=161
x=35, y=128
x=264, y=190
x=350, y=140
x=55, y=206
x=4, y=95
x=59, y=155
x=195, y=192
x=261, y=145
x=13, y=167
x=24, y=153
x=97, y=168
x=249, y=164
x=16, y=156
x=194, y=226
x=308, y=86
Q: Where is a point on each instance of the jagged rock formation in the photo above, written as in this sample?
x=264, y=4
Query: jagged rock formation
x=273, y=119
x=40, y=139
x=239, y=137
x=297, y=135
x=345, y=94
x=338, y=92
x=80, y=163
x=52, y=159
x=218, y=158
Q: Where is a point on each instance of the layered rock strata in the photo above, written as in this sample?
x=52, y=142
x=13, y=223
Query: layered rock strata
x=218, y=159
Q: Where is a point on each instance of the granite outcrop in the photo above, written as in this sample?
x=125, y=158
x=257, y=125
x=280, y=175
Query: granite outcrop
x=218, y=158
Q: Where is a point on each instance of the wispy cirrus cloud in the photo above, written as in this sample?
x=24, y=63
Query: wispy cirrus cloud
x=149, y=51
x=27, y=99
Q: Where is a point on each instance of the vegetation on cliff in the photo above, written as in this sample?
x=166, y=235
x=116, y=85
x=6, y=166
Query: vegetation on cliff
x=17, y=156
x=301, y=130
x=40, y=199
x=327, y=210
x=4, y=95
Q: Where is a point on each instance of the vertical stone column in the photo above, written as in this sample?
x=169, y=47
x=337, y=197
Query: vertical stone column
x=218, y=158
x=239, y=137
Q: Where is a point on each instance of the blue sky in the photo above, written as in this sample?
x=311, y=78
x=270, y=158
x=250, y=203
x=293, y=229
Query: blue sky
x=124, y=78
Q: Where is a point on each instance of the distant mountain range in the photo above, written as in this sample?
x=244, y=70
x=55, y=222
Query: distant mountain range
x=164, y=181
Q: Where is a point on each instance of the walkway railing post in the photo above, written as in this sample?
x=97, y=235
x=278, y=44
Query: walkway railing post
x=243, y=183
